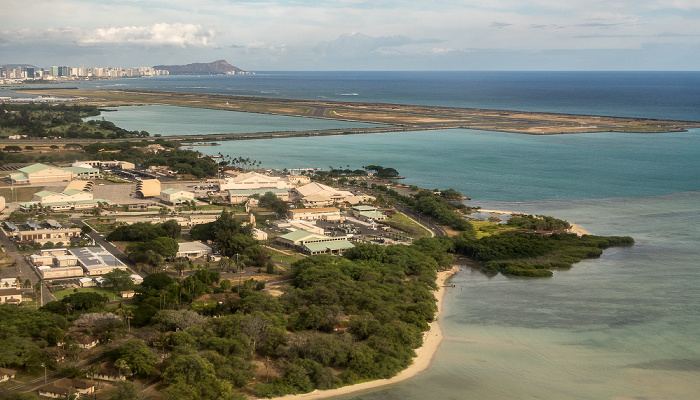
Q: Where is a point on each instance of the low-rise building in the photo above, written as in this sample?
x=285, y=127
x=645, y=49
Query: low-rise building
x=176, y=196
x=97, y=261
x=67, y=388
x=148, y=188
x=317, y=195
x=10, y=296
x=38, y=173
x=84, y=173
x=367, y=213
x=324, y=214
x=51, y=272
x=6, y=374
x=238, y=196
x=48, y=235
x=193, y=250
x=314, y=243
x=253, y=180
x=69, y=199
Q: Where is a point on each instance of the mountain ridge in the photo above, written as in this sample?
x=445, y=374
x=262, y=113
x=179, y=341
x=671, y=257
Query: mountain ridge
x=215, y=67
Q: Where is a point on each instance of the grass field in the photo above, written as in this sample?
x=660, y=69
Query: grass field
x=63, y=293
x=19, y=193
x=410, y=227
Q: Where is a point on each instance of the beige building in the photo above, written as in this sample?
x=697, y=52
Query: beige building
x=7, y=374
x=51, y=272
x=2, y=203
x=317, y=195
x=253, y=180
x=238, y=196
x=69, y=199
x=48, y=235
x=10, y=296
x=38, y=173
x=148, y=188
x=324, y=214
x=298, y=179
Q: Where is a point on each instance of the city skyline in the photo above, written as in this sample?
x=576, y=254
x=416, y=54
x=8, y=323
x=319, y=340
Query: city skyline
x=357, y=34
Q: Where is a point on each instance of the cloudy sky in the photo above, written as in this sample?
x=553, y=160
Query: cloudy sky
x=260, y=35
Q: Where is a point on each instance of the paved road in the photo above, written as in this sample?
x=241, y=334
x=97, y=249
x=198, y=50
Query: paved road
x=27, y=271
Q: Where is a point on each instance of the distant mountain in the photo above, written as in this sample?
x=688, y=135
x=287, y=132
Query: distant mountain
x=216, y=67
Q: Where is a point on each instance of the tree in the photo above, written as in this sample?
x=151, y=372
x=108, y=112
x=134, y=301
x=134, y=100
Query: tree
x=157, y=281
x=119, y=279
x=137, y=356
x=172, y=228
x=125, y=390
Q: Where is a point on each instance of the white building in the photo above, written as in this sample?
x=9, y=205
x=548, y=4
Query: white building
x=176, y=196
x=193, y=250
x=253, y=180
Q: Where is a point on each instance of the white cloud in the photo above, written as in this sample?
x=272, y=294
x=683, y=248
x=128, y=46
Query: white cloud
x=179, y=35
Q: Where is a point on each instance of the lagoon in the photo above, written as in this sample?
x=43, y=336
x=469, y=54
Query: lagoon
x=177, y=121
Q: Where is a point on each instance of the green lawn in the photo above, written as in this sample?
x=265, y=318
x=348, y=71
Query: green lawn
x=63, y=293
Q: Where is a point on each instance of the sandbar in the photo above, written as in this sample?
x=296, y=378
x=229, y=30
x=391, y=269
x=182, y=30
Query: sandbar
x=423, y=359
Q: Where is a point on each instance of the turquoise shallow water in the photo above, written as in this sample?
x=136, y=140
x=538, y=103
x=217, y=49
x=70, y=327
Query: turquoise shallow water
x=501, y=166
x=624, y=326
x=176, y=121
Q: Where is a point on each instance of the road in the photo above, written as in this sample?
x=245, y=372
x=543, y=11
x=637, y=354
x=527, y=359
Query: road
x=25, y=269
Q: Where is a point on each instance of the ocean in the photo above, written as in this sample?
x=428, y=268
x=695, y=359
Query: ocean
x=622, y=326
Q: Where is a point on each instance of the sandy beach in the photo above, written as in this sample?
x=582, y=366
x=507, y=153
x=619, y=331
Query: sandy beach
x=424, y=354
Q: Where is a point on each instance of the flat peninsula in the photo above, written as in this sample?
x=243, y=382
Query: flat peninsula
x=392, y=117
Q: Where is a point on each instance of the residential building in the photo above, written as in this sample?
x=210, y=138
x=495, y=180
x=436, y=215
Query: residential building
x=65, y=388
x=10, y=296
x=7, y=374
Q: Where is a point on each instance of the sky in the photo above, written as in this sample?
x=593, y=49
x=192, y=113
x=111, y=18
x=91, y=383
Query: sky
x=311, y=35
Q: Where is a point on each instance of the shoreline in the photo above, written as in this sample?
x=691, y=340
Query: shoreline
x=423, y=359
x=574, y=228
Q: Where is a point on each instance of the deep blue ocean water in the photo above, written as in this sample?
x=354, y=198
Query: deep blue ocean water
x=623, y=326
x=669, y=95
